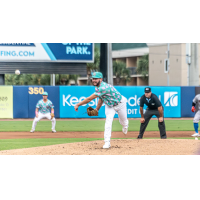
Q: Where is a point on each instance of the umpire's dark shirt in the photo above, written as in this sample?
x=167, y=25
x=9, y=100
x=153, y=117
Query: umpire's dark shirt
x=152, y=103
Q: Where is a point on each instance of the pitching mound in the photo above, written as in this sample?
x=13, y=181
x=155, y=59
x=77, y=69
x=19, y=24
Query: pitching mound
x=118, y=147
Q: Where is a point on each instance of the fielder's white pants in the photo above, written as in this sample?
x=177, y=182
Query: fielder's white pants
x=42, y=116
x=110, y=113
x=197, y=117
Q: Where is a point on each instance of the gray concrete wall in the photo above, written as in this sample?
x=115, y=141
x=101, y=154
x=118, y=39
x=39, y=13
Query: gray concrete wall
x=194, y=67
x=178, y=67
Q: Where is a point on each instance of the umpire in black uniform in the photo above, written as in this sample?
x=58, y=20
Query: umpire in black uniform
x=154, y=107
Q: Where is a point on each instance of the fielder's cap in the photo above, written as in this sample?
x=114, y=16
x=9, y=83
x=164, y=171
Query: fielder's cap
x=97, y=75
x=147, y=90
x=45, y=94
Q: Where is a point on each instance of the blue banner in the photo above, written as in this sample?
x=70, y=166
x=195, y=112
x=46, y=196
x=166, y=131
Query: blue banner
x=47, y=52
x=35, y=94
x=71, y=51
x=20, y=102
x=175, y=100
x=187, y=96
x=170, y=98
x=25, y=99
x=71, y=95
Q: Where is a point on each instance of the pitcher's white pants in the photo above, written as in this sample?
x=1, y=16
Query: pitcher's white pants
x=42, y=116
x=110, y=112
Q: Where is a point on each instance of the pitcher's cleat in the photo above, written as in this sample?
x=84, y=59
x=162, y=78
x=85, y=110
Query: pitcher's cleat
x=125, y=130
x=53, y=131
x=106, y=145
x=31, y=131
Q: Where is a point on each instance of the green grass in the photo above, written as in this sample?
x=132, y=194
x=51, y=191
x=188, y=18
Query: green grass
x=84, y=125
x=8, y=144
x=94, y=125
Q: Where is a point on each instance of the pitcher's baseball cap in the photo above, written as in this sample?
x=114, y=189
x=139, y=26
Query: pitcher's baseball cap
x=45, y=94
x=97, y=75
x=147, y=90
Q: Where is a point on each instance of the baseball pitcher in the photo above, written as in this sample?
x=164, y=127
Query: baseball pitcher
x=113, y=100
x=196, y=105
x=43, y=108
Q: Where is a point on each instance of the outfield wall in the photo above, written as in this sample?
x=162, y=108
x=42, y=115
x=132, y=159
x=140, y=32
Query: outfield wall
x=25, y=99
x=20, y=101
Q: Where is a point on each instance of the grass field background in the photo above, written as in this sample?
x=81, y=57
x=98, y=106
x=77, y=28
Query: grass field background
x=85, y=125
x=94, y=125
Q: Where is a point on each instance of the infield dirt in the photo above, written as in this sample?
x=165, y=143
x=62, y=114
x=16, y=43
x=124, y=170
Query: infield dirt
x=118, y=147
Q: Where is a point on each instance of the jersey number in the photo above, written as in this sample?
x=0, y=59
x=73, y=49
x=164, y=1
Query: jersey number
x=35, y=90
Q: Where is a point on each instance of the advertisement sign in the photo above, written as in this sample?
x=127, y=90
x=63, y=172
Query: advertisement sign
x=170, y=98
x=6, y=102
x=47, y=52
x=70, y=96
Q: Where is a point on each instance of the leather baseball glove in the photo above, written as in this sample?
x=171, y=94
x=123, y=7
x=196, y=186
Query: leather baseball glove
x=52, y=115
x=92, y=112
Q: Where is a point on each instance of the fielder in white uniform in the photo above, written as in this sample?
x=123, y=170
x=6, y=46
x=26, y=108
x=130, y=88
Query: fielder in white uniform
x=42, y=111
x=196, y=103
x=113, y=100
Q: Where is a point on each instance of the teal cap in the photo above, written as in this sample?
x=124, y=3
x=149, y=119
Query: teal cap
x=45, y=94
x=97, y=75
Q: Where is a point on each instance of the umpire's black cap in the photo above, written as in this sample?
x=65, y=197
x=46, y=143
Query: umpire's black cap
x=147, y=90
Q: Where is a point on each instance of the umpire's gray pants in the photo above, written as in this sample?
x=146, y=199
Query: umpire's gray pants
x=147, y=116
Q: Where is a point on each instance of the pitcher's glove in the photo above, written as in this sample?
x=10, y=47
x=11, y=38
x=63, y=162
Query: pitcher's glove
x=52, y=115
x=92, y=112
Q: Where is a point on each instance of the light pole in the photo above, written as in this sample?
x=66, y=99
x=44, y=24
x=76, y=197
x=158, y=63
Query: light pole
x=53, y=77
x=168, y=64
x=109, y=64
x=188, y=61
